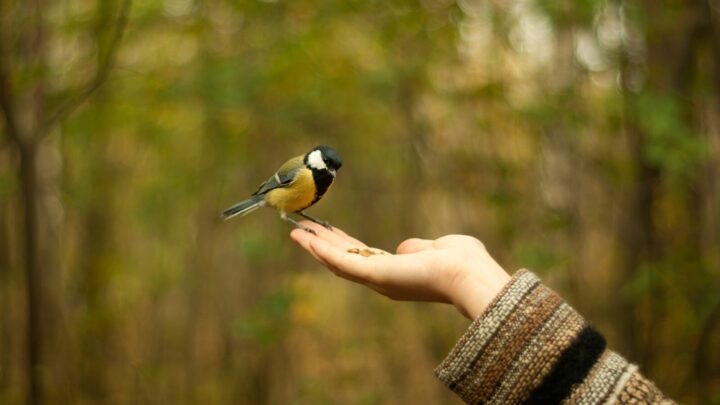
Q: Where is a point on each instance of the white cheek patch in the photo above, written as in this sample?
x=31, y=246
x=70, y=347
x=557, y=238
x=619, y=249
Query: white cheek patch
x=315, y=160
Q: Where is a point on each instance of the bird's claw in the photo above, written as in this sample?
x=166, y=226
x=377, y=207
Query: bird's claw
x=322, y=223
x=306, y=229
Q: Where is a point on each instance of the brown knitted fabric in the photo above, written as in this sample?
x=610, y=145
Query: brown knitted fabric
x=531, y=347
x=640, y=390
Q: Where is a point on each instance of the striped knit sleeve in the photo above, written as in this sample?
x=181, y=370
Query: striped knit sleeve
x=529, y=346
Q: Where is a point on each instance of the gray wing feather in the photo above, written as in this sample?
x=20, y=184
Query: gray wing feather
x=282, y=178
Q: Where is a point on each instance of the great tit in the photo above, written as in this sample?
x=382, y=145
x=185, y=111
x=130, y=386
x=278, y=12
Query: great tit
x=298, y=184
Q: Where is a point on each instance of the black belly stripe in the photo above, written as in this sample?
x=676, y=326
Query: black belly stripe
x=323, y=179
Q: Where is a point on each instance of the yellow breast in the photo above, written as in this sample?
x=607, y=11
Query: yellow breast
x=295, y=197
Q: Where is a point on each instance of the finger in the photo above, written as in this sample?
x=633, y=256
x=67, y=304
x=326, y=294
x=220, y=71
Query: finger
x=349, y=238
x=304, y=238
x=300, y=236
x=413, y=245
x=333, y=237
x=348, y=264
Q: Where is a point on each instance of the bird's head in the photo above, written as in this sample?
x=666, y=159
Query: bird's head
x=323, y=158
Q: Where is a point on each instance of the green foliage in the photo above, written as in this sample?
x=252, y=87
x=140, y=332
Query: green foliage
x=8, y=186
x=269, y=322
x=567, y=12
x=671, y=143
x=539, y=258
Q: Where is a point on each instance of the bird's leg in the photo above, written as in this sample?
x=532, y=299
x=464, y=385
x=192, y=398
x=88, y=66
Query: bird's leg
x=317, y=221
x=297, y=224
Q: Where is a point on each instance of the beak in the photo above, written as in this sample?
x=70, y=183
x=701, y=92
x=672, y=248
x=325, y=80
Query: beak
x=333, y=171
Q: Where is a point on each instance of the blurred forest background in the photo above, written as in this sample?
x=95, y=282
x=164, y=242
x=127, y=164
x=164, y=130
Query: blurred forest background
x=578, y=138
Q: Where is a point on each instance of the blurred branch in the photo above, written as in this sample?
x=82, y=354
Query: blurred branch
x=6, y=104
x=6, y=97
x=713, y=15
x=699, y=369
x=684, y=72
x=101, y=74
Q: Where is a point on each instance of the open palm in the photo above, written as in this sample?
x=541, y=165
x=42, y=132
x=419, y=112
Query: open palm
x=454, y=269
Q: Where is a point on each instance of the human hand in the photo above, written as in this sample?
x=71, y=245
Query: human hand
x=453, y=269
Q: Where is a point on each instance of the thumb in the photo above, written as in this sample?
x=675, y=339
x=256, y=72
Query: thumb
x=414, y=245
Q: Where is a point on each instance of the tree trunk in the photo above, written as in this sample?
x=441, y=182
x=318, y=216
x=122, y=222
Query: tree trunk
x=6, y=323
x=644, y=244
x=33, y=279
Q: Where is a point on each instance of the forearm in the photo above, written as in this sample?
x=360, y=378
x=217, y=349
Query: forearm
x=530, y=346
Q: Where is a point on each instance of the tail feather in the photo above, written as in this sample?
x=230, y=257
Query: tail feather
x=244, y=207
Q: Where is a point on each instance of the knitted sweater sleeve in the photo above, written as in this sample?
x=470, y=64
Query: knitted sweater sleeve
x=529, y=346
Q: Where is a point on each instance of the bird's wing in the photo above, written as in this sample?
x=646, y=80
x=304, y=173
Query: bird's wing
x=283, y=177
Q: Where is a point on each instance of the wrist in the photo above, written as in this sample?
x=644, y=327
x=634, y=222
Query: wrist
x=476, y=290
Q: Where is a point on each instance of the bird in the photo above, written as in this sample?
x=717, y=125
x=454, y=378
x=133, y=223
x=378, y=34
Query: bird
x=297, y=185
